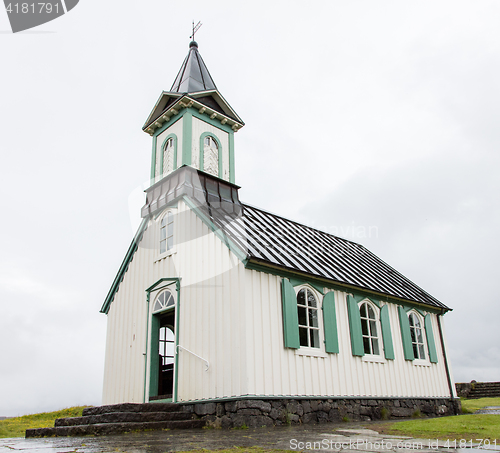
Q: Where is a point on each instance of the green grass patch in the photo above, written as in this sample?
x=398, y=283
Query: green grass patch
x=17, y=426
x=470, y=406
x=469, y=427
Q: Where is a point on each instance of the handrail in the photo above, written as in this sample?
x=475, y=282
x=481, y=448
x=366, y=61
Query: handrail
x=196, y=355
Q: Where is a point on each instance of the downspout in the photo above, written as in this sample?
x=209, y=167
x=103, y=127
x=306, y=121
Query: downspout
x=176, y=366
x=450, y=385
x=146, y=344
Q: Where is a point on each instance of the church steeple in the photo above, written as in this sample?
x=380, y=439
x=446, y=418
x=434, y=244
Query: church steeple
x=193, y=75
x=192, y=124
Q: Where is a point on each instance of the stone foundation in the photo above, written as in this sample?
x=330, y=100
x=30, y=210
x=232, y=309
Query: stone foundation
x=255, y=413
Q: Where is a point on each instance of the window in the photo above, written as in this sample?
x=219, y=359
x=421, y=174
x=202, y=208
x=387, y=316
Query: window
x=369, y=329
x=307, y=308
x=167, y=233
x=165, y=300
x=168, y=156
x=210, y=155
x=417, y=338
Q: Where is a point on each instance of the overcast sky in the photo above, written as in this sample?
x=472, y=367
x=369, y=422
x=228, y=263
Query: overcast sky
x=374, y=120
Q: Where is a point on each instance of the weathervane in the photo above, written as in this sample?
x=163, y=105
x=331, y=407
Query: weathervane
x=195, y=28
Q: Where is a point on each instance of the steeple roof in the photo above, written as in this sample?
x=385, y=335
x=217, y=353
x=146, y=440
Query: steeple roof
x=193, y=75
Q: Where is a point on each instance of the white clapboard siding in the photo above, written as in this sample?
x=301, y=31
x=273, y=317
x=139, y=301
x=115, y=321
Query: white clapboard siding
x=280, y=371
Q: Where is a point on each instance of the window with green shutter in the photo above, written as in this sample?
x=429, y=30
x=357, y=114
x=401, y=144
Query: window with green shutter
x=290, y=315
x=355, y=327
x=431, y=345
x=404, y=324
x=330, y=323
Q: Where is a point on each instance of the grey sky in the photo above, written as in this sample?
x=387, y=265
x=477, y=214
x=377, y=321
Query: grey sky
x=377, y=121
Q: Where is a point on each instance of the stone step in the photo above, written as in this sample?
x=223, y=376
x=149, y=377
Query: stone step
x=112, y=428
x=133, y=407
x=122, y=417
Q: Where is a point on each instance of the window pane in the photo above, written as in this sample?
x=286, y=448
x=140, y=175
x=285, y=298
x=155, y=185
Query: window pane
x=366, y=345
x=411, y=320
x=157, y=306
x=415, y=351
x=163, y=233
x=311, y=299
x=419, y=336
x=364, y=327
x=413, y=337
x=301, y=297
x=170, y=229
x=302, y=316
x=170, y=300
x=303, y=336
x=170, y=243
x=373, y=328
x=375, y=346
x=371, y=313
x=421, y=350
x=362, y=311
x=313, y=317
x=163, y=245
x=314, y=338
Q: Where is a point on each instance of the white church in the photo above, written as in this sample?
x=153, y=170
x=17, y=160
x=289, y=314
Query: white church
x=217, y=301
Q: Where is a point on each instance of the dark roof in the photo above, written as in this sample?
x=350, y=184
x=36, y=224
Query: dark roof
x=193, y=75
x=271, y=239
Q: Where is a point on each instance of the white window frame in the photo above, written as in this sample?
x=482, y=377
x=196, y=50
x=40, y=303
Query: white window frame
x=165, y=308
x=209, y=148
x=418, y=360
x=166, y=160
x=165, y=218
x=307, y=350
x=370, y=357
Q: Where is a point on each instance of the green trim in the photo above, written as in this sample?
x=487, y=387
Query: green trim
x=286, y=273
x=355, y=327
x=358, y=298
x=330, y=323
x=168, y=124
x=153, y=160
x=169, y=136
x=124, y=266
x=146, y=347
x=385, y=325
x=154, y=287
x=154, y=351
x=202, y=152
x=241, y=255
x=208, y=120
x=187, y=137
x=290, y=315
x=231, y=157
x=431, y=345
x=404, y=324
x=299, y=282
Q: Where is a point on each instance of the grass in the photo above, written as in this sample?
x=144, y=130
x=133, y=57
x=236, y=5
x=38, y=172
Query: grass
x=17, y=426
x=468, y=427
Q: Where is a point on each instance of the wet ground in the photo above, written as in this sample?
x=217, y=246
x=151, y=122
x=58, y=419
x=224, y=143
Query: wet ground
x=489, y=410
x=324, y=437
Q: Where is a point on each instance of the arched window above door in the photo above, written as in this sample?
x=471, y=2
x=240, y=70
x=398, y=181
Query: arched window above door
x=164, y=301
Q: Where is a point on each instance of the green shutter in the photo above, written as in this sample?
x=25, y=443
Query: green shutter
x=330, y=323
x=386, y=332
x=290, y=315
x=431, y=345
x=405, y=334
x=154, y=368
x=355, y=327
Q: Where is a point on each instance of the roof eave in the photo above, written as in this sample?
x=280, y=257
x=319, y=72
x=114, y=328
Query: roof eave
x=188, y=101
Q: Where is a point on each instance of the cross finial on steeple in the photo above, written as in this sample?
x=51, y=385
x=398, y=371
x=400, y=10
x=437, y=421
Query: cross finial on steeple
x=195, y=28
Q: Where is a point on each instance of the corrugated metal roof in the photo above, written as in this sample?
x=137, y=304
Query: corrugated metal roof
x=281, y=242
